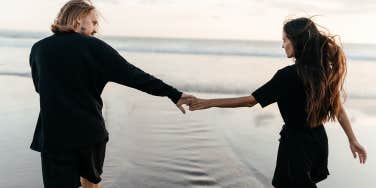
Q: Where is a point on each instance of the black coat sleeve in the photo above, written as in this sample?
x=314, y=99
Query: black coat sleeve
x=34, y=71
x=116, y=69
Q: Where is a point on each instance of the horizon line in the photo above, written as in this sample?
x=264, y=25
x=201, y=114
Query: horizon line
x=39, y=32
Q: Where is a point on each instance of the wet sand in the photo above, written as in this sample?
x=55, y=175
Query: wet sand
x=152, y=144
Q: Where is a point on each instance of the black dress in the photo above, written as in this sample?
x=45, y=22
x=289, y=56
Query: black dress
x=303, y=152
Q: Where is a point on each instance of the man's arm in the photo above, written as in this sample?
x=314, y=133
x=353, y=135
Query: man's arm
x=116, y=69
x=34, y=71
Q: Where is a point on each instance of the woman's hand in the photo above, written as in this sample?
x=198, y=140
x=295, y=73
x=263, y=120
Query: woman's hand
x=200, y=104
x=358, y=150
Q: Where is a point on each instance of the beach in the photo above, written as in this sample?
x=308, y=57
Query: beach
x=152, y=144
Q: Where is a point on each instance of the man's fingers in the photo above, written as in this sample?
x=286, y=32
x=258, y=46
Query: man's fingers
x=190, y=100
x=187, y=100
x=181, y=108
x=179, y=104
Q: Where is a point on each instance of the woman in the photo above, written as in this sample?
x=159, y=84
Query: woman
x=308, y=94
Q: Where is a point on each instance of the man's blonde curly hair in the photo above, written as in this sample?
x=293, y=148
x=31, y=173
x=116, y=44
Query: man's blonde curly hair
x=66, y=20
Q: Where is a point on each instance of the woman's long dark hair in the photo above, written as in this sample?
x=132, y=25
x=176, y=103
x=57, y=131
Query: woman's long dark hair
x=321, y=64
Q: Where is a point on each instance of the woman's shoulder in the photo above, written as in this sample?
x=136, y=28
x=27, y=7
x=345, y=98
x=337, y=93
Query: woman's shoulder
x=287, y=71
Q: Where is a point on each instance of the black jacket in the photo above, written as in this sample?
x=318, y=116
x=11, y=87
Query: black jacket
x=69, y=72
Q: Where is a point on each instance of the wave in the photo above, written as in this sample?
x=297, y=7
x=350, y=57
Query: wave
x=227, y=53
x=252, y=48
x=22, y=34
x=17, y=74
x=200, y=52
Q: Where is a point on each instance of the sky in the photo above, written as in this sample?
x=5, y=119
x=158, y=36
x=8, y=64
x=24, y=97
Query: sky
x=352, y=20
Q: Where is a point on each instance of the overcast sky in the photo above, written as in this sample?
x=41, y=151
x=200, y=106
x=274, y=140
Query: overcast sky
x=353, y=20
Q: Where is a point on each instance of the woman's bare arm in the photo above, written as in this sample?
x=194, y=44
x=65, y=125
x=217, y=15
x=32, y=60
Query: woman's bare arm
x=356, y=148
x=346, y=125
x=246, y=101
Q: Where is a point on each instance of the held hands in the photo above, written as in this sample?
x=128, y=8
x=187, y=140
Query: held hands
x=358, y=151
x=185, y=99
x=193, y=103
x=200, y=104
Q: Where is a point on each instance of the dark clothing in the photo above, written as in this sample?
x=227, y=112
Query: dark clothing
x=303, y=151
x=69, y=72
x=302, y=158
x=64, y=168
x=285, y=88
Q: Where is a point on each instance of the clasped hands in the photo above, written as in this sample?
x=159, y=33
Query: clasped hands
x=193, y=102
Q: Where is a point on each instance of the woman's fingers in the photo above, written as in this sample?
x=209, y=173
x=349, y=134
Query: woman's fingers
x=354, y=154
x=365, y=157
x=360, y=152
x=362, y=155
x=197, y=106
x=361, y=158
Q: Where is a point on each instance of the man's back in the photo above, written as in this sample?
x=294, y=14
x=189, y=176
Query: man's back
x=69, y=72
x=69, y=84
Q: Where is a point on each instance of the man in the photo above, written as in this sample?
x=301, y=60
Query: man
x=70, y=70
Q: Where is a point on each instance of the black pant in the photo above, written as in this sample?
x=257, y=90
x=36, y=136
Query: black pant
x=63, y=169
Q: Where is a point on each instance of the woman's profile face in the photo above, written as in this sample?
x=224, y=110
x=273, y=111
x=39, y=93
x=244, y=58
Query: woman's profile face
x=287, y=45
x=88, y=24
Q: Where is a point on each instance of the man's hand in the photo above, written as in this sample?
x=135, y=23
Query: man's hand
x=185, y=99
